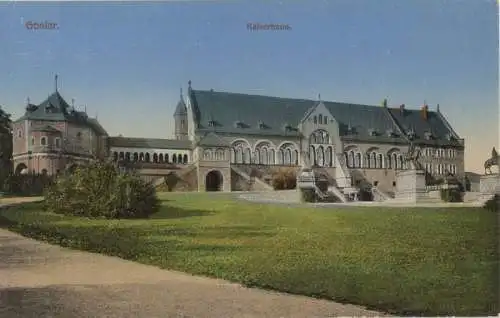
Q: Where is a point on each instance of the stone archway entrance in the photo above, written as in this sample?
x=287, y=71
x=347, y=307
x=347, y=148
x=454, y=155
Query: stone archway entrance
x=21, y=168
x=213, y=181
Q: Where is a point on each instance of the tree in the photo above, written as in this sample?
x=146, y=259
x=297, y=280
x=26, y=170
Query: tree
x=5, y=145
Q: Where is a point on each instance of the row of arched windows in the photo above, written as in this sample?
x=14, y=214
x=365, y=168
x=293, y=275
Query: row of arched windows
x=147, y=157
x=374, y=160
x=264, y=154
x=214, y=154
x=321, y=156
x=441, y=169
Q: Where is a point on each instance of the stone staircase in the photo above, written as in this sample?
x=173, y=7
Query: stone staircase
x=252, y=177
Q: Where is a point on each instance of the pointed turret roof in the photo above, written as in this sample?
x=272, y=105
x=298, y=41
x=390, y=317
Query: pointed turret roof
x=180, y=109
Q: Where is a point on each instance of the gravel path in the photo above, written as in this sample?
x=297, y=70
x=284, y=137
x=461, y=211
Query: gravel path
x=42, y=280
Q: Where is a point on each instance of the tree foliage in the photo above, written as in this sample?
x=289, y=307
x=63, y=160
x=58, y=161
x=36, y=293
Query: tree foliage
x=100, y=190
x=284, y=179
x=5, y=145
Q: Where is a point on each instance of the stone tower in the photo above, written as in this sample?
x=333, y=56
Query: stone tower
x=181, y=120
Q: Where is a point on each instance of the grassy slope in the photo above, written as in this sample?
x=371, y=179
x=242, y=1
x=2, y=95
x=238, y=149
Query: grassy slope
x=405, y=261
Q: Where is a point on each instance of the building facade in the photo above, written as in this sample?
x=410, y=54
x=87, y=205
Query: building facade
x=221, y=137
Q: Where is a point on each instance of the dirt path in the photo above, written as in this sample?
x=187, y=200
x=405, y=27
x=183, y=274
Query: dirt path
x=42, y=280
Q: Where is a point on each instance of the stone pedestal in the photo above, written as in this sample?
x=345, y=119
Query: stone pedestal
x=489, y=184
x=410, y=186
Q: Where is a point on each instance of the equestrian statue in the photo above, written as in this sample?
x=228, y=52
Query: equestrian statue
x=411, y=157
x=493, y=161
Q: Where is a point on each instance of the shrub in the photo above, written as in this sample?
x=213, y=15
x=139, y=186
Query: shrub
x=451, y=195
x=492, y=204
x=284, y=179
x=26, y=184
x=100, y=190
x=308, y=195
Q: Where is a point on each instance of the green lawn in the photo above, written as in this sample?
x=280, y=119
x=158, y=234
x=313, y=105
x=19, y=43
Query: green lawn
x=406, y=261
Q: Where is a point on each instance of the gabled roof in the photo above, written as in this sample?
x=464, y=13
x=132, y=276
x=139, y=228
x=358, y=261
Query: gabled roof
x=242, y=113
x=154, y=143
x=413, y=120
x=55, y=108
x=223, y=112
x=211, y=139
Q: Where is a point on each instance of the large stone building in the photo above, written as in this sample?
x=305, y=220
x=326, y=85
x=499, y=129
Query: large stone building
x=231, y=141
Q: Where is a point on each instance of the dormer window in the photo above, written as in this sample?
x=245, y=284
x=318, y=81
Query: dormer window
x=391, y=133
x=211, y=123
x=350, y=130
x=411, y=134
x=238, y=124
x=287, y=127
x=428, y=135
x=372, y=132
x=450, y=137
x=261, y=125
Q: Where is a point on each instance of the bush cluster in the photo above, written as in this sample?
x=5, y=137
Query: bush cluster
x=308, y=195
x=284, y=179
x=451, y=195
x=100, y=190
x=26, y=184
x=492, y=204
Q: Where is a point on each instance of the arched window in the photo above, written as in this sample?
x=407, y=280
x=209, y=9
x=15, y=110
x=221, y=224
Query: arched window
x=160, y=158
x=43, y=141
x=358, y=160
x=312, y=155
x=315, y=119
x=380, y=160
x=147, y=157
x=296, y=157
x=325, y=120
x=320, y=119
x=321, y=156
x=246, y=156
x=232, y=155
x=166, y=158
x=155, y=158
x=185, y=159
x=270, y=158
x=127, y=156
x=288, y=156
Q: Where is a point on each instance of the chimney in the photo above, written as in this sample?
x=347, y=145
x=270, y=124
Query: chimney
x=402, y=108
x=425, y=111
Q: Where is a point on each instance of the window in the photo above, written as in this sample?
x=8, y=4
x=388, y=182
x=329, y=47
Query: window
x=43, y=141
x=58, y=142
x=182, y=123
x=325, y=120
x=320, y=119
x=32, y=141
x=19, y=133
x=315, y=119
x=79, y=135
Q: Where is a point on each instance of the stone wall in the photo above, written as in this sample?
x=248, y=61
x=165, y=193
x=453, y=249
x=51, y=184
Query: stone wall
x=490, y=184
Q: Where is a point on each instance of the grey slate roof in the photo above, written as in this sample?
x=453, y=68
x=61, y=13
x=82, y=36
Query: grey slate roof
x=211, y=139
x=223, y=112
x=155, y=143
x=180, y=109
x=55, y=108
x=413, y=120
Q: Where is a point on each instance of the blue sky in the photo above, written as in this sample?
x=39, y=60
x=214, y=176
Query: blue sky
x=127, y=62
